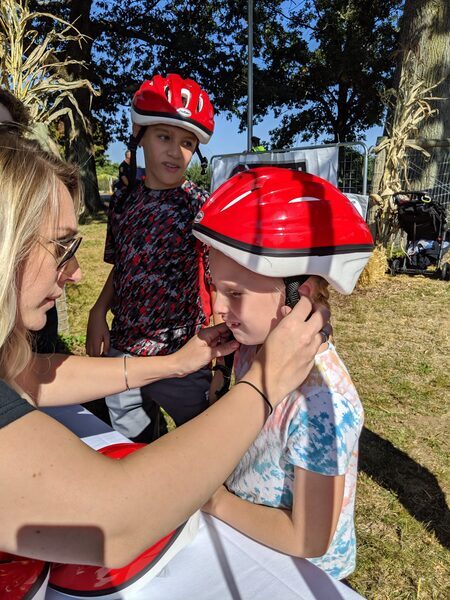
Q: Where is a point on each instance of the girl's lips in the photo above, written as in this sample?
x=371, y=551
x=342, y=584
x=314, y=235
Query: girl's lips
x=171, y=167
x=232, y=324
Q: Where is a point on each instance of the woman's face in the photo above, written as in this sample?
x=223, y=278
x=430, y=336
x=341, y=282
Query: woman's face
x=41, y=282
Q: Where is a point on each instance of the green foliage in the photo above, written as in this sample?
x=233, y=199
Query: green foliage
x=322, y=66
x=332, y=89
x=194, y=173
x=107, y=167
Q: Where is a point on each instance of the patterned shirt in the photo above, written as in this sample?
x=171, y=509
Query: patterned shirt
x=316, y=427
x=159, y=268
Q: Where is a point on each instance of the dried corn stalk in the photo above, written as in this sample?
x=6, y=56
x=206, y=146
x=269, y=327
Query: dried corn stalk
x=31, y=68
x=411, y=107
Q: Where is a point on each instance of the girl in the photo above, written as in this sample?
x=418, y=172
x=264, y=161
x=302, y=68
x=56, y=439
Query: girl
x=271, y=230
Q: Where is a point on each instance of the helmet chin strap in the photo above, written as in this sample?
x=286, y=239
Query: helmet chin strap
x=203, y=160
x=133, y=144
x=292, y=284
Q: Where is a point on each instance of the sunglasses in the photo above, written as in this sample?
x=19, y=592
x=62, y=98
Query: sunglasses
x=64, y=251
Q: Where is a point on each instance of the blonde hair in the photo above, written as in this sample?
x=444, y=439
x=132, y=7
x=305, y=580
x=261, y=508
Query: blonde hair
x=323, y=293
x=29, y=194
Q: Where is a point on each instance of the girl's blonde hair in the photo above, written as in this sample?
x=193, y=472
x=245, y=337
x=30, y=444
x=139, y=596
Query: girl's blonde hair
x=323, y=293
x=29, y=194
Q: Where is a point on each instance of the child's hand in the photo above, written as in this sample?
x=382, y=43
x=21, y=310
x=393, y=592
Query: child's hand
x=97, y=335
x=208, y=344
x=211, y=507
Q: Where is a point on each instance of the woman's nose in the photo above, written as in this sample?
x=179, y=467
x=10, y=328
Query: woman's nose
x=71, y=273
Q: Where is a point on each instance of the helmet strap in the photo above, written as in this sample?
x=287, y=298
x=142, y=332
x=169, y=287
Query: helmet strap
x=292, y=284
x=203, y=160
x=133, y=144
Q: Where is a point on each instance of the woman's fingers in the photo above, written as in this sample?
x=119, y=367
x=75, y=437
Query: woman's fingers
x=225, y=348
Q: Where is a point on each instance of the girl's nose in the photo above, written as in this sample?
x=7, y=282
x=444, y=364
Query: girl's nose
x=220, y=306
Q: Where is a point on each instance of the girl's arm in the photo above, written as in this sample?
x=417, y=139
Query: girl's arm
x=59, y=379
x=306, y=531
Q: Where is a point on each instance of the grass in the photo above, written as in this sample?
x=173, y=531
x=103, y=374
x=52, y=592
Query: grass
x=395, y=340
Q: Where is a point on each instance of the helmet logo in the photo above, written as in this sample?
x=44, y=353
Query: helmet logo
x=199, y=217
x=184, y=112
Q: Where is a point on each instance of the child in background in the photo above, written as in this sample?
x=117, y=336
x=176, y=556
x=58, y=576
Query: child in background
x=273, y=232
x=156, y=289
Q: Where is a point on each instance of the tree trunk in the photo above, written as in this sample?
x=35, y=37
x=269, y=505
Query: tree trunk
x=80, y=148
x=425, y=32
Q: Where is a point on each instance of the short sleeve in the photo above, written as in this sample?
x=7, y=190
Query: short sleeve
x=324, y=433
x=12, y=406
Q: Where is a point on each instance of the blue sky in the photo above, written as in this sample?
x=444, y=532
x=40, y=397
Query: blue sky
x=227, y=139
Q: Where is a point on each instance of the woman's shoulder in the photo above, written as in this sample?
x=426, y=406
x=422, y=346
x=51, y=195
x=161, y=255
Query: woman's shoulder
x=12, y=405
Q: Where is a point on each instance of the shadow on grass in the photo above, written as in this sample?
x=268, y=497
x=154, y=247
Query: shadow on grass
x=414, y=485
x=100, y=216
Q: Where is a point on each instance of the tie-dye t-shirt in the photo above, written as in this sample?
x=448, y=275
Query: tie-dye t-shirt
x=316, y=427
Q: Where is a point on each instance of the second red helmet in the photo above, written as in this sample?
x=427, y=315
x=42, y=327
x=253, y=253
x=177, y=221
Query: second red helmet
x=174, y=101
x=283, y=223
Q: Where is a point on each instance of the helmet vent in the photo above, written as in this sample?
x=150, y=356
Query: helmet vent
x=304, y=199
x=167, y=93
x=238, y=199
x=200, y=103
x=185, y=97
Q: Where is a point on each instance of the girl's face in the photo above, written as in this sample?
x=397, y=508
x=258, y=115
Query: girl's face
x=41, y=282
x=250, y=304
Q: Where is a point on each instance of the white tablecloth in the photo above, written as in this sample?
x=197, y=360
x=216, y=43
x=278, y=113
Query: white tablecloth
x=221, y=563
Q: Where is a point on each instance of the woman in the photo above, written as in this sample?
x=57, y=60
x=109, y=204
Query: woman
x=60, y=500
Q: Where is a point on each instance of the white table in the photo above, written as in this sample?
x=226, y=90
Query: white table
x=221, y=563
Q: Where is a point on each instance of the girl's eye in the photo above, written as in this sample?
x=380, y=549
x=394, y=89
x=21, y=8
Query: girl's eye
x=188, y=145
x=235, y=294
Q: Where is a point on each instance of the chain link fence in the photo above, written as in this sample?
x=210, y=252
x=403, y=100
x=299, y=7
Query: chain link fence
x=428, y=173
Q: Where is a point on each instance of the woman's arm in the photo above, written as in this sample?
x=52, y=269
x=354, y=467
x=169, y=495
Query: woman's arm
x=59, y=379
x=61, y=501
x=306, y=531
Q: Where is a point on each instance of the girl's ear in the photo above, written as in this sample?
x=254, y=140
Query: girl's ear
x=309, y=287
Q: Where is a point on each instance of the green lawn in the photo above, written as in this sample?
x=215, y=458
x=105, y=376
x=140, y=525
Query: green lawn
x=395, y=340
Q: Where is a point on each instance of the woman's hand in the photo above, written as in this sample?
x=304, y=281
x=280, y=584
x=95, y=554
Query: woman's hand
x=287, y=356
x=209, y=343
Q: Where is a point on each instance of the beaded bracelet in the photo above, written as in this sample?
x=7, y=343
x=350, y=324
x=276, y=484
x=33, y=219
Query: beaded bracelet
x=263, y=396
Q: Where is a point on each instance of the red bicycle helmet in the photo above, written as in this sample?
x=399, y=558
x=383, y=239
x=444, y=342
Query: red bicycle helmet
x=22, y=578
x=174, y=101
x=102, y=583
x=284, y=223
